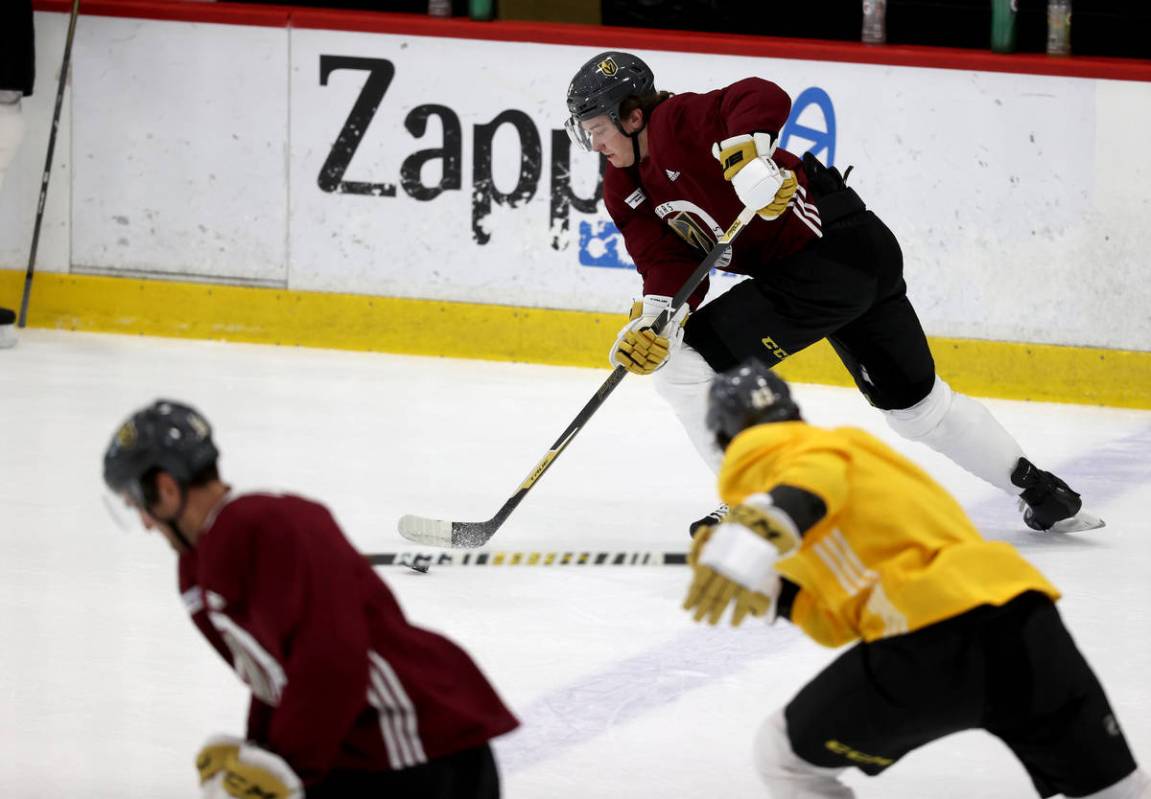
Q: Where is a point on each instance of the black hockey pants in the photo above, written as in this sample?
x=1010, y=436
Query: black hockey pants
x=846, y=287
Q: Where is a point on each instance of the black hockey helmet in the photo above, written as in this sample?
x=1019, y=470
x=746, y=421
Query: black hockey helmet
x=601, y=85
x=167, y=436
x=745, y=396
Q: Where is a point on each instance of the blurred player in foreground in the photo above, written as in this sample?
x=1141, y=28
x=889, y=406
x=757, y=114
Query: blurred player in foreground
x=348, y=699
x=850, y=541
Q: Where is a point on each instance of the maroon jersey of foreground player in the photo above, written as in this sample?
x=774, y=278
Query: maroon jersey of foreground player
x=339, y=678
x=681, y=195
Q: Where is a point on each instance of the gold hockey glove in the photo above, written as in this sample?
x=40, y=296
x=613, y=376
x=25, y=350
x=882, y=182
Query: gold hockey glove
x=640, y=349
x=758, y=181
x=215, y=755
x=733, y=563
x=232, y=768
x=710, y=592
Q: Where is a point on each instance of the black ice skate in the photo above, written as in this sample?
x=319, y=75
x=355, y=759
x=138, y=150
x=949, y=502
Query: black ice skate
x=713, y=518
x=1048, y=503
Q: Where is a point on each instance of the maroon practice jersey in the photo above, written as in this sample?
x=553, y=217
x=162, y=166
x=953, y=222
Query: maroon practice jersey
x=681, y=204
x=339, y=678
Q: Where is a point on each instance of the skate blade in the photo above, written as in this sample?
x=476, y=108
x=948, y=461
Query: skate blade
x=1079, y=523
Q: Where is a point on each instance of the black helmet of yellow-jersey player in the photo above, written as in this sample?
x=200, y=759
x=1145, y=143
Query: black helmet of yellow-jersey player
x=165, y=436
x=748, y=395
x=600, y=86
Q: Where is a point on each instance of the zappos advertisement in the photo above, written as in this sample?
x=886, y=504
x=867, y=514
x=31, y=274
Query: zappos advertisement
x=478, y=173
x=424, y=167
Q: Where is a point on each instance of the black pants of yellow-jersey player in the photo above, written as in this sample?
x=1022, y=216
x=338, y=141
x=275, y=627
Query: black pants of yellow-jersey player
x=1013, y=671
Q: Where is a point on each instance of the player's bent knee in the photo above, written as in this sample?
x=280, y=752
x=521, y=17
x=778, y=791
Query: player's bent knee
x=922, y=418
x=788, y=776
x=686, y=374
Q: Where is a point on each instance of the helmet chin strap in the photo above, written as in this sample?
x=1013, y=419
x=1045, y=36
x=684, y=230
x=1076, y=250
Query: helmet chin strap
x=173, y=522
x=634, y=136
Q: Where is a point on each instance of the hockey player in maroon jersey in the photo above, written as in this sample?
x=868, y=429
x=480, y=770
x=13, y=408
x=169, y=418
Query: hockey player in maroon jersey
x=348, y=699
x=679, y=169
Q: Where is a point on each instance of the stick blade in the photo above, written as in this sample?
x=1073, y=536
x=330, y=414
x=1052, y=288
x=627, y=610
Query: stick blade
x=453, y=535
x=422, y=530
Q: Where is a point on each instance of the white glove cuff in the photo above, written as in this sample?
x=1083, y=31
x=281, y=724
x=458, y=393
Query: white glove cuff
x=654, y=304
x=742, y=557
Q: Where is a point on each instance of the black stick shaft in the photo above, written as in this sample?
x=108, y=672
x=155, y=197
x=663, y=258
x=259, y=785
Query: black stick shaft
x=48, y=165
x=473, y=535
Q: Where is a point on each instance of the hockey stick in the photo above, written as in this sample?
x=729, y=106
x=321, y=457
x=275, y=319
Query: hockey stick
x=467, y=535
x=422, y=560
x=48, y=163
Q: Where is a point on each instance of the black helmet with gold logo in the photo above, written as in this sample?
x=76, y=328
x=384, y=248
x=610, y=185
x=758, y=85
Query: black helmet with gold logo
x=602, y=84
x=165, y=436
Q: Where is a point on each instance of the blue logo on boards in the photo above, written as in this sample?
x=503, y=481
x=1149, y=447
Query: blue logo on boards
x=600, y=242
x=822, y=144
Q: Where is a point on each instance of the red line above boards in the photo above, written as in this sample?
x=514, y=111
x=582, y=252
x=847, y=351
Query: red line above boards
x=611, y=37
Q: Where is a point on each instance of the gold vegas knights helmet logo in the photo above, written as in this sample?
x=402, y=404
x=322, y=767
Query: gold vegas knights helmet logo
x=199, y=426
x=126, y=436
x=607, y=67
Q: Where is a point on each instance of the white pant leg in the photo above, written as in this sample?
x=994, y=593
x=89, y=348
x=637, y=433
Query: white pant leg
x=11, y=132
x=787, y=775
x=684, y=383
x=1136, y=785
x=962, y=429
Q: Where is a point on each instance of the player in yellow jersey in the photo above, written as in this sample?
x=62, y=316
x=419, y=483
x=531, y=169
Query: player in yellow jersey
x=850, y=541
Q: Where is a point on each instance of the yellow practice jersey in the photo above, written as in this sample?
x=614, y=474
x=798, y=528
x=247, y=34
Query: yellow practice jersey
x=894, y=553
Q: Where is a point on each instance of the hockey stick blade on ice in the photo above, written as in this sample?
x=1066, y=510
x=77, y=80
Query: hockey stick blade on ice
x=468, y=535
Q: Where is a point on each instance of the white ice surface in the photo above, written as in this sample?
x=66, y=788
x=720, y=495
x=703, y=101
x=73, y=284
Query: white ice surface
x=106, y=690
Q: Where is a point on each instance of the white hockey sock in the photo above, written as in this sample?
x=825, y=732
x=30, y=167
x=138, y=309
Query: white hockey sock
x=962, y=429
x=786, y=774
x=684, y=383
